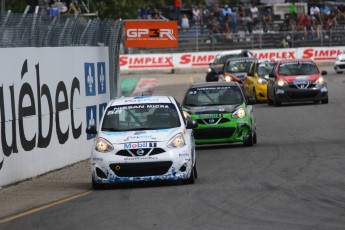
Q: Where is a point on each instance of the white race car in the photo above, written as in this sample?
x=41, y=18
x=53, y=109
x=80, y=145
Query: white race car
x=339, y=63
x=144, y=138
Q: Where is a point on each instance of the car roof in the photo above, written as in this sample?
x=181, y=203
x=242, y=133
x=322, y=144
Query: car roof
x=142, y=100
x=214, y=84
x=232, y=52
x=295, y=60
x=241, y=58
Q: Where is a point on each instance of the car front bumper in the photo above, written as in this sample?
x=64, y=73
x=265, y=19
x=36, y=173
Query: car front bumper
x=237, y=130
x=288, y=94
x=339, y=65
x=261, y=92
x=173, y=164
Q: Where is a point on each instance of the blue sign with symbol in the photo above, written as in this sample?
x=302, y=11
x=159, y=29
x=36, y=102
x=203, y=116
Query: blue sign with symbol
x=90, y=82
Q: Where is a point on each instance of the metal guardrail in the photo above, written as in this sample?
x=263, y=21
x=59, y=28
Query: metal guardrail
x=36, y=30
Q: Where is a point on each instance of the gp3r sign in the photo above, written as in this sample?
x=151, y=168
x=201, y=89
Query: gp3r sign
x=151, y=34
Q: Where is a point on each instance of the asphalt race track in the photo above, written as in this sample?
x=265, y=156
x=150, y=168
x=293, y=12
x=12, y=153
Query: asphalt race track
x=293, y=179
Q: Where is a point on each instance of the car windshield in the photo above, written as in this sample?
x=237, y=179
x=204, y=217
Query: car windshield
x=238, y=66
x=297, y=68
x=214, y=95
x=140, y=117
x=265, y=68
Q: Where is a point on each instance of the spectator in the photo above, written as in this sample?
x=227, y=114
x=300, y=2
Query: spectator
x=233, y=22
x=240, y=12
x=44, y=6
x=177, y=5
x=341, y=11
x=196, y=14
x=204, y=14
x=185, y=23
x=155, y=14
x=314, y=11
x=248, y=20
x=293, y=11
x=226, y=10
x=255, y=14
x=266, y=15
x=143, y=12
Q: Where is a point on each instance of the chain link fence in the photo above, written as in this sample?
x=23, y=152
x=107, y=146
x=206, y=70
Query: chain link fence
x=36, y=30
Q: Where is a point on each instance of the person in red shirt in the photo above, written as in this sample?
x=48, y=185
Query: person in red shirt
x=177, y=5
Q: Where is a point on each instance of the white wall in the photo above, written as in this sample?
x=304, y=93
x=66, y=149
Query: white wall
x=47, y=96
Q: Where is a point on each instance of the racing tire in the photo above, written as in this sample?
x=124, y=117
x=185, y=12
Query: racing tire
x=339, y=72
x=192, y=178
x=324, y=101
x=255, y=138
x=250, y=140
x=97, y=186
x=269, y=101
x=276, y=102
x=254, y=96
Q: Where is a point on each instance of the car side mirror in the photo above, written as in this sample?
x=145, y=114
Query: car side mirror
x=191, y=124
x=323, y=72
x=91, y=130
x=251, y=101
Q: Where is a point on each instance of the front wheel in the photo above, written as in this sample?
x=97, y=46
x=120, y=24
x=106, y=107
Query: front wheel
x=276, y=102
x=250, y=140
x=324, y=101
x=193, y=175
x=97, y=186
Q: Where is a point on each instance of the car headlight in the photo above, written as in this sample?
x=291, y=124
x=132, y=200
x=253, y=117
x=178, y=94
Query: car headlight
x=227, y=78
x=186, y=115
x=176, y=142
x=102, y=145
x=320, y=81
x=262, y=81
x=281, y=82
x=240, y=113
x=209, y=70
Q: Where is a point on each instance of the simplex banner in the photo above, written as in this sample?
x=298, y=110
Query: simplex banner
x=202, y=59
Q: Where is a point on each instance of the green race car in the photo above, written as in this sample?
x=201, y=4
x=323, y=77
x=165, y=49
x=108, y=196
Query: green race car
x=223, y=113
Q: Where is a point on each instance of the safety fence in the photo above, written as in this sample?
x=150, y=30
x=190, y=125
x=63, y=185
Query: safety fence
x=200, y=39
x=36, y=30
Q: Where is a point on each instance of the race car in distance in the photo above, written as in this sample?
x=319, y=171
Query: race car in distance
x=296, y=80
x=339, y=63
x=216, y=66
x=144, y=138
x=236, y=69
x=223, y=113
x=255, y=83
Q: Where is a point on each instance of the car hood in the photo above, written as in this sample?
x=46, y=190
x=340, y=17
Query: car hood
x=291, y=79
x=239, y=75
x=159, y=135
x=212, y=109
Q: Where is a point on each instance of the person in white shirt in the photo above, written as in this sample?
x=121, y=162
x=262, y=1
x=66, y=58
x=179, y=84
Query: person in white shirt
x=196, y=14
x=255, y=14
x=185, y=23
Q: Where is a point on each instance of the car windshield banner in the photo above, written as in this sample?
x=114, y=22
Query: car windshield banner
x=151, y=34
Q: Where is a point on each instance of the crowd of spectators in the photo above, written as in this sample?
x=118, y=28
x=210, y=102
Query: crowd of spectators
x=54, y=7
x=225, y=22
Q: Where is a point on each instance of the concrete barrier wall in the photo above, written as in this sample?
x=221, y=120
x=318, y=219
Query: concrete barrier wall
x=48, y=96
